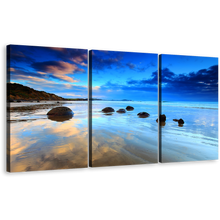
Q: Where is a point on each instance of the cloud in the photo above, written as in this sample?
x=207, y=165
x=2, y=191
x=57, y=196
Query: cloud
x=45, y=84
x=95, y=87
x=78, y=56
x=15, y=73
x=137, y=68
x=11, y=69
x=17, y=53
x=203, y=83
x=31, y=79
x=99, y=63
x=130, y=65
x=58, y=69
x=70, y=95
x=137, y=86
x=80, y=59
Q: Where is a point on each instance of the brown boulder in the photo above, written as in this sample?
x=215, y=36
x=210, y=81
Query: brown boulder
x=129, y=108
x=60, y=111
x=108, y=109
x=121, y=110
x=143, y=114
x=60, y=114
x=162, y=118
x=180, y=121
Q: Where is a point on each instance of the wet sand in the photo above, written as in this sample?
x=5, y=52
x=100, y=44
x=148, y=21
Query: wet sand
x=38, y=143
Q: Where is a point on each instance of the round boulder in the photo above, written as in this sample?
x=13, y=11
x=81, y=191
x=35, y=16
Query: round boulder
x=143, y=114
x=121, y=110
x=129, y=108
x=60, y=114
x=180, y=121
x=162, y=118
x=108, y=109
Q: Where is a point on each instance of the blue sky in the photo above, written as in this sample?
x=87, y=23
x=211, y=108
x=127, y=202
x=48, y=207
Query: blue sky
x=124, y=75
x=128, y=75
x=115, y=75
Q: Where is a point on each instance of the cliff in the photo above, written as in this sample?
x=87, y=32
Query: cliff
x=17, y=91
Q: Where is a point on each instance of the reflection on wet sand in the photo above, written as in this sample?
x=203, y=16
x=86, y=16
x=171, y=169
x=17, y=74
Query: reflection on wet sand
x=112, y=148
x=108, y=114
x=162, y=123
x=43, y=144
x=59, y=118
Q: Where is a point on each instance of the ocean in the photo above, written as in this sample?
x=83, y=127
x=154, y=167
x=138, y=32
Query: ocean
x=38, y=143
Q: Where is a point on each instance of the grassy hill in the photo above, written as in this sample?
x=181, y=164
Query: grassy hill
x=17, y=91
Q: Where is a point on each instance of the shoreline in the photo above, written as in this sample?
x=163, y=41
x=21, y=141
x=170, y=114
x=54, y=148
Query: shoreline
x=30, y=105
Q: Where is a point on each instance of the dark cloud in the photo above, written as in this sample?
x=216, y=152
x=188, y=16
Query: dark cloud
x=130, y=65
x=16, y=53
x=152, y=81
x=25, y=54
x=201, y=83
x=101, y=62
x=78, y=56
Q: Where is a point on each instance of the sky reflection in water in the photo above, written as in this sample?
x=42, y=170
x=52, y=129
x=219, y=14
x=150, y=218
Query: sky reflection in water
x=42, y=144
x=120, y=139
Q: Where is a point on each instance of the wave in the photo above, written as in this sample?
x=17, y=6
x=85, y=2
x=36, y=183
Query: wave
x=203, y=108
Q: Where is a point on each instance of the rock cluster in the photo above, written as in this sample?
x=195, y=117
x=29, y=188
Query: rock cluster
x=110, y=110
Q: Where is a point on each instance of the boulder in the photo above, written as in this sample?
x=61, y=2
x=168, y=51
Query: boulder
x=60, y=114
x=180, y=121
x=175, y=120
x=60, y=111
x=129, y=108
x=143, y=114
x=162, y=118
x=121, y=110
x=108, y=109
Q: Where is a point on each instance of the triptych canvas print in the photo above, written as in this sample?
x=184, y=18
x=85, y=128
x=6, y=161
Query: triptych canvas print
x=74, y=108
